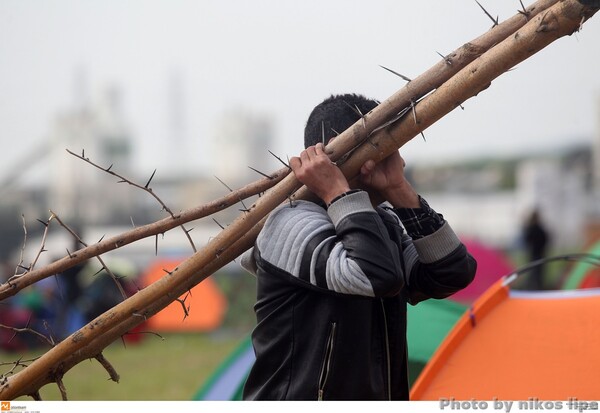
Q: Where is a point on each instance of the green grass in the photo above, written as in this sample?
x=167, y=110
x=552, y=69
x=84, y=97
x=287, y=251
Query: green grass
x=170, y=368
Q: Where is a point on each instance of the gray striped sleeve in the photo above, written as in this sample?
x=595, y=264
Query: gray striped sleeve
x=287, y=233
x=345, y=276
x=285, y=240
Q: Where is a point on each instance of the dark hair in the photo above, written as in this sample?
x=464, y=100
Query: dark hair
x=334, y=115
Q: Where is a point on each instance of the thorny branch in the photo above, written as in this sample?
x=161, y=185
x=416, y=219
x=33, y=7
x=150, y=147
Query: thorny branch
x=16, y=330
x=102, y=263
x=41, y=250
x=61, y=386
x=145, y=188
x=15, y=364
x=22, y=253
x=231, y=190
x=114, y=376
x=186, y=309
x=136, y=234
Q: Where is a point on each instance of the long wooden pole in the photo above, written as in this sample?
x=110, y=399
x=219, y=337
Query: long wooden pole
x=352, y=137
x=561, y=19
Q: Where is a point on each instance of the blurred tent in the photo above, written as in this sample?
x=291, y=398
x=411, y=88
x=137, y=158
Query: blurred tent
x=584, y=274
x=227, y=382
x=515, y=345
x=492, y=264
x=206, y=304
x=428, y=323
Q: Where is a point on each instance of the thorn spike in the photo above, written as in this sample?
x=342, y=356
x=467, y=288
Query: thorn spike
x=149, y=180
x=396, y=73
x=487, y=14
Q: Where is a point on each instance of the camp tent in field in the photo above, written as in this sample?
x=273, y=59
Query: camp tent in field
x=206, y=303
x=227, y=382
x=515, y=345
x=429, y=323
x=584, y=274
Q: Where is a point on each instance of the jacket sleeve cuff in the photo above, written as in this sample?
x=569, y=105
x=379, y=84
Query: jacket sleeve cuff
x=420, y=222
x=438, y=245
x=350, y=204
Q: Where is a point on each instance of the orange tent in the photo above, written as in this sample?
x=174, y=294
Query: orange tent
x=518, y=345
x=206, y=304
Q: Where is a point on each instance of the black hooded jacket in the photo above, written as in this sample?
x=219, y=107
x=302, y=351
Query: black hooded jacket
x=332, y=289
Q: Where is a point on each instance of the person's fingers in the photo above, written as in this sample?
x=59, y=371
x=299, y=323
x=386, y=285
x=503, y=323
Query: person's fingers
x=367, y=167
x=320, y=151
x=304, y=156
x=295, y=163
x=310, y=152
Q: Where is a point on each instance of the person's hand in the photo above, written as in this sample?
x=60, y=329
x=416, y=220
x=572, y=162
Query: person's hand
x=387, y=179
x=321, y=176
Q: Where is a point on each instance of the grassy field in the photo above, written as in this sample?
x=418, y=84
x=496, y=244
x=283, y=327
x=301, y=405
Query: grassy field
x=170, y=368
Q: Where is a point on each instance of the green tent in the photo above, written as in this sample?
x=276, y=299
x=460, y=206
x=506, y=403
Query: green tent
x=428, y=324
x=585, y=274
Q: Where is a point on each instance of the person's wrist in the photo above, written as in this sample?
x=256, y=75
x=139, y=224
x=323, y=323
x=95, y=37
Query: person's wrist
x=331, y=195
x=342, y=195
x=402, y=196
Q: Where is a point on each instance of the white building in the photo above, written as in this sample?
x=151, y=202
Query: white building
x=78, y=191
x=241, y=140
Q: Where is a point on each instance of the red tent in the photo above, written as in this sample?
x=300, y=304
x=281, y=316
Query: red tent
x=492, y=264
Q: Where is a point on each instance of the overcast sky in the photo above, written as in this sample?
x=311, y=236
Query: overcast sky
x=279, y=58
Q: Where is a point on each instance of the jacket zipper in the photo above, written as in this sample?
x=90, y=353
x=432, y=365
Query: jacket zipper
x=387, y=352
x=326, y=362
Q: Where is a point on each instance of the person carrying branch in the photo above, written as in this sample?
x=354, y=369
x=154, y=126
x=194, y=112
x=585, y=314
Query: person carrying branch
x=334, y=276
